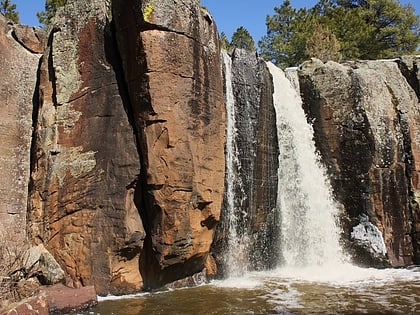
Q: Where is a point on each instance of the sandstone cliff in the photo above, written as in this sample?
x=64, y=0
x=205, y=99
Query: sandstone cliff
x=170, y=56
x=21, y=49
x=127, y=173
x=365, y=117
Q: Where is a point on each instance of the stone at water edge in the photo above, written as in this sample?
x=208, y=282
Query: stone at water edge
x=62, y=299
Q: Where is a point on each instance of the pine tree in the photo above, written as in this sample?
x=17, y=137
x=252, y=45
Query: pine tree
x=362, y=29
x=241, y=38
x=51, y=7
x=323, y=44
x=224, y=42
x=8, y=9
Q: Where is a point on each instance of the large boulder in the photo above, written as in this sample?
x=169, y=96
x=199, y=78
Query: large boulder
x=365, y=117
x=170, y=56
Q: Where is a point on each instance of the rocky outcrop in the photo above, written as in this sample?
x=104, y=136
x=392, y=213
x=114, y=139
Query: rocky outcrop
x=85, y=162
x=119, y=131
x=172, y=70
x=19, y=74
x=365, y=117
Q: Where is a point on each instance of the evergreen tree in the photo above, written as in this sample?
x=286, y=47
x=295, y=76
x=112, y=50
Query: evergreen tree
x=8, y=9
x=362, y=29
x=284, y=31
x=323, y=44
x=51, y=7
x=224, y=42
x=241, y=38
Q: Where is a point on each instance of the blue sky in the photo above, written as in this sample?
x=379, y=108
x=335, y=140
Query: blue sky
x=229, y=14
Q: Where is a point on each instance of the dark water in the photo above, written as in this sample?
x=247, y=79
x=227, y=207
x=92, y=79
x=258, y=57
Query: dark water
x=311, y=291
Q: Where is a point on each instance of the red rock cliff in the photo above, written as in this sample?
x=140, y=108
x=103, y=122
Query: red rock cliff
x=170, y=55
x=128, y=155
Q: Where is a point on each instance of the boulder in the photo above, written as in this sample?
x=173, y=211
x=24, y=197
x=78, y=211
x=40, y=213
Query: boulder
x=33, y=306
x=42, y=264
x=62, y=299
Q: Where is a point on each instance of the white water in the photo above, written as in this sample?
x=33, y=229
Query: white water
x=236, y=254
x=309, y=235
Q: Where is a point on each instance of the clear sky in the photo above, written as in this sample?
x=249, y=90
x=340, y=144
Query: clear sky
x=228, y=14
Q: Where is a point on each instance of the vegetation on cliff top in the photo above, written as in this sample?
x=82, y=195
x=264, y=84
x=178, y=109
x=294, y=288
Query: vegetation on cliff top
x=241, y=38
x=340, y=29
x=51, y=7
x=8, y=9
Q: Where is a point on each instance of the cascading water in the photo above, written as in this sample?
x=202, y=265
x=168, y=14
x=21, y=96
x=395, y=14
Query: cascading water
x=236, y=254
x=309, y=235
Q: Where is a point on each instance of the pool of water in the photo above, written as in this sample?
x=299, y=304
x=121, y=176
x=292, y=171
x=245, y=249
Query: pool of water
x=347, y=290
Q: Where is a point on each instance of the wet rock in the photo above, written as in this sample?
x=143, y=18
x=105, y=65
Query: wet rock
x=257, y=159
x=365, y=120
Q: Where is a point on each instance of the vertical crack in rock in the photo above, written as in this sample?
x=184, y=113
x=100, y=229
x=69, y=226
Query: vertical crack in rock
x=409, y=67
x=170, y=59
x=85, y=158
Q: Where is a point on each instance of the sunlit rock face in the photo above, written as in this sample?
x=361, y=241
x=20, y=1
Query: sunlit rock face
x=170, y=57
x=18, y=66
x=85, y=162
x=366, y=117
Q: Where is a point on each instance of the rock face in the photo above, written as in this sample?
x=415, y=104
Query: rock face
x=119, y=132
x=85, y=162
x=171, y=63
x=19, y=74
x=366, y=119
x=256, y=153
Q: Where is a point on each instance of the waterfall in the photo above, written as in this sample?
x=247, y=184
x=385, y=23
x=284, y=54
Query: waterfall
x=309, y=235
x=236, y=251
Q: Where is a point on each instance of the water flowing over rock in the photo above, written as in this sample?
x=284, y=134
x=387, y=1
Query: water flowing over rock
x=366, y=117
x=247, y=234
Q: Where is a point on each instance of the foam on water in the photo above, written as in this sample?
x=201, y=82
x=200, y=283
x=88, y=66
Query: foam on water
x=121, y=297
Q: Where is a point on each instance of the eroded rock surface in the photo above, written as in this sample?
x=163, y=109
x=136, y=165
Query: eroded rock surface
x=85, y=161
x=18, y=83
x=172, y=69
x=366, y=119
